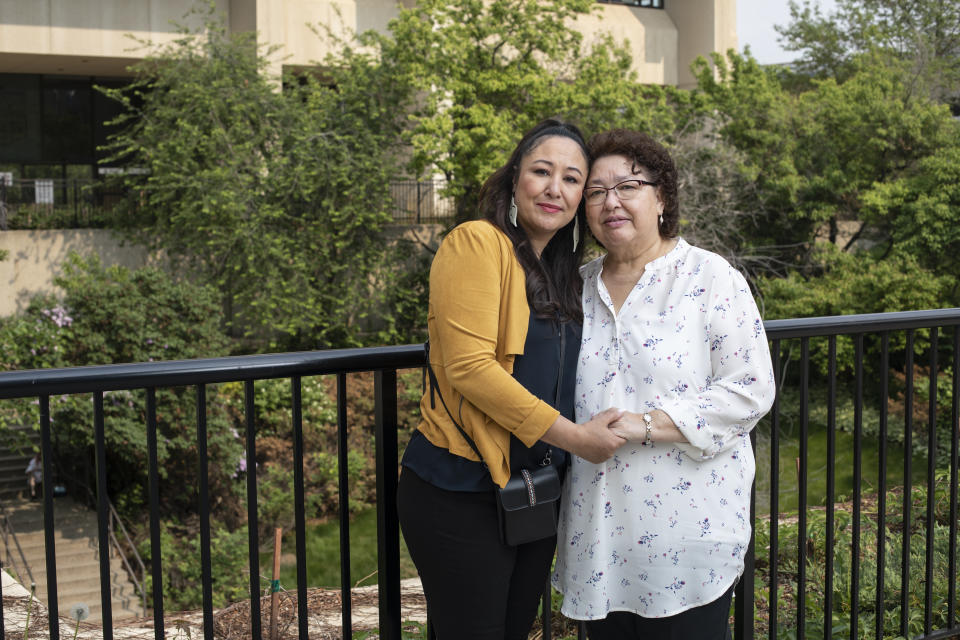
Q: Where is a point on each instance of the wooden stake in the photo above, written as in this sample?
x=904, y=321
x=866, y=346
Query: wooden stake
x=275, y=585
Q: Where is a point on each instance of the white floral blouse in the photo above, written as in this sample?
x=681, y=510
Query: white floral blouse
x=657, y=530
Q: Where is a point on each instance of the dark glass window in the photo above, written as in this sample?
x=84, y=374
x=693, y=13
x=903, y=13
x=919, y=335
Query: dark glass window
x=67, y=120
x=20, y=119
x=54, y=120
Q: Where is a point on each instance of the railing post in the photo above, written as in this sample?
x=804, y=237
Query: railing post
x=298, y=499
x=3, y=633
x=106, y=596
x=156, y=562
x=388, y=524
x=343, y=468
x=206, y=578
x=3, y=204
x=48, y=519
x=546, y=611
x=774, y=495
x=253, y=534
x=857, y=487
x=743, y=604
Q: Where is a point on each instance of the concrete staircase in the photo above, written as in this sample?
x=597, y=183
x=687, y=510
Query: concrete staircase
x=77, y=556
x=14, y=461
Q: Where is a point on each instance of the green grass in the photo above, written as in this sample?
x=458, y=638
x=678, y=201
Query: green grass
x=323, y=554
x=817, y=468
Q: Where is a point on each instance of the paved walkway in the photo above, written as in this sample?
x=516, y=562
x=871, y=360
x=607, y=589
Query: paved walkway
x=233, y=621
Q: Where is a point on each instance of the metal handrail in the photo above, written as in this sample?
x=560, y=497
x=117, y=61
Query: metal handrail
x=385, y=362
x=173, y=373
x=138, y=580
x=9, y=532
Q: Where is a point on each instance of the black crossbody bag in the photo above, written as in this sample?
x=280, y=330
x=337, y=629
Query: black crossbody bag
x=527, y=508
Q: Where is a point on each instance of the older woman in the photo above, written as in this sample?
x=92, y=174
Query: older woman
x=651, y=541
x=504, y=321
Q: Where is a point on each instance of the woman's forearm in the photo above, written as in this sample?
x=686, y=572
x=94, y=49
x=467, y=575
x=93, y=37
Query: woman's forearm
x=593, y=440
x=632, y=427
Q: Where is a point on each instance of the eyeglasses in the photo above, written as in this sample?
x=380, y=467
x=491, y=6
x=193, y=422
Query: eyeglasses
x=626, y=190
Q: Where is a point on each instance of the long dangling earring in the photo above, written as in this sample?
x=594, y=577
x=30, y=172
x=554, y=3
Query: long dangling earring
x=512, y=214
x=576, y=232
x=661, y=219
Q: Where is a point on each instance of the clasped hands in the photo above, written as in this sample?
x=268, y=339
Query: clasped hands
x=627, y=426
x=597, y=439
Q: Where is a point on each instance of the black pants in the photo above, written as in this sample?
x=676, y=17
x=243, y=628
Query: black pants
x=476, y=587
x=706, y=622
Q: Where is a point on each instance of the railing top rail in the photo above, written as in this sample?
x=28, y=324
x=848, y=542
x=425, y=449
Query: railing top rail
x=861, y=323
x=39, y=382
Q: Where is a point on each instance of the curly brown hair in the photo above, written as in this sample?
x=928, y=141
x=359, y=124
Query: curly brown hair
x=650, y=156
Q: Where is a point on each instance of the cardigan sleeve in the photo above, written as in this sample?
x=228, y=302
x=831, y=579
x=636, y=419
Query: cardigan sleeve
x=467, y=290
x=740, y=388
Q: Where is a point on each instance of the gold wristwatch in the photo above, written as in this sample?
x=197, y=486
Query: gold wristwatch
x=648, y=422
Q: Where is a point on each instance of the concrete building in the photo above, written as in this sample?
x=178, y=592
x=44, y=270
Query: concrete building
x=53, y=52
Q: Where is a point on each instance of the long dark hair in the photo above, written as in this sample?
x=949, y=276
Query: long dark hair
x=553, y=280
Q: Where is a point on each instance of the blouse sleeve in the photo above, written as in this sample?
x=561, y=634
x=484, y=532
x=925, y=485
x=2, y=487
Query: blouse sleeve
x=740, y=388
x=466, y=286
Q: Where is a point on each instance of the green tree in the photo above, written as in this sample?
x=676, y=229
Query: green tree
x=113, y=315
x=275, y=197
x=924, y=37
x=484, y=72
x=827, y=156
x=919, y=215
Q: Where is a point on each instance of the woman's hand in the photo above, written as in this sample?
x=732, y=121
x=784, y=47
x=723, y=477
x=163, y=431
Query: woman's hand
x=662, y=429
x=593, y=440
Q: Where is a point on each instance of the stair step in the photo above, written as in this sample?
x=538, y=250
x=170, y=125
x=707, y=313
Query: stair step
x=76, y=542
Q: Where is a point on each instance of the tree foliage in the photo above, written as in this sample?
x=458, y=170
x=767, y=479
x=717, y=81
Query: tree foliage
x=275, y=197
x=483, y=72
x=112, y=315
x=846, y=162
x=920, y=39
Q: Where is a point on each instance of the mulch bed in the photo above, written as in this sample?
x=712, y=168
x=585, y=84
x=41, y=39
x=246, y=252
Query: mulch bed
x=233, y=622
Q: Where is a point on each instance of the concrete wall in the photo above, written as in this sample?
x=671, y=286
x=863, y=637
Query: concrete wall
x=703, y=26
x=90, y=37
x=650, y=34
x=289, y=25
x=82, y=37
x=35, y=258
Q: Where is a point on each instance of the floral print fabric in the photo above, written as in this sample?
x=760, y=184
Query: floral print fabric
x=656, y=530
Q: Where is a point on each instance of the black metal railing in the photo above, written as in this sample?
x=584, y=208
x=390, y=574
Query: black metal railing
x=866, y=343
x=11, y=544
x=128, y=554
x=54, y=203
x=421, y=202
x=48, y=203
x=777, y=584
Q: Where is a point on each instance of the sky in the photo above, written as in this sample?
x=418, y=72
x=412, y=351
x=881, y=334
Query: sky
x=755, y=20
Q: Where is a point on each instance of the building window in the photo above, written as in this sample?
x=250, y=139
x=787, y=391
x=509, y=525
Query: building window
x=646, y=4
x=54, y=122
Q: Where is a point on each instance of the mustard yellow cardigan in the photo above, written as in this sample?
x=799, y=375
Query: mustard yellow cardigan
x=477, y=320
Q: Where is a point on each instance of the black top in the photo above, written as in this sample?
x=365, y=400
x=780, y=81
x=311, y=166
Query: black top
x=538, y=370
